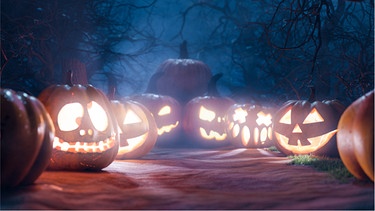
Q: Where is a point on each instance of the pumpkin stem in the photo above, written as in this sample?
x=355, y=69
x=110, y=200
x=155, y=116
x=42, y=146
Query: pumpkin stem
x=312, y=97
x=212, y=87
x=69, y=77
x=183, y=50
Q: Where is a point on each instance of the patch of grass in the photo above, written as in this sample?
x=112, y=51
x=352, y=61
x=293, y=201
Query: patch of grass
x=334, y=166
x=273, y=149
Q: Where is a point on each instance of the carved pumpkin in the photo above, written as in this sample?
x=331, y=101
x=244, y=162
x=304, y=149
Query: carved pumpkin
x=249, y=125
x=203, y=121
x=167, y=113
x=137, y=128
x=182, y=79
x=355, y=137
x=27, y=134
x=86, y=129
x=301, y=127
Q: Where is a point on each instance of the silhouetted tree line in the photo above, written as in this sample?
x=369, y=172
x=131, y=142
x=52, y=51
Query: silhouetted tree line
x=269, y=50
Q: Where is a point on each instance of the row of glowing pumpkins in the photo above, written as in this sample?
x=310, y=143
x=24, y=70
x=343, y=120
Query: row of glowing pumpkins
x=77, y=128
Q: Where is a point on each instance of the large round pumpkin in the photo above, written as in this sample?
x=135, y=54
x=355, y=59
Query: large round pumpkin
x=137, y=128
x=27, y=134
x=303, y=127
x=167, y=113
x=355, y=137
x=86, y=129
x=182, y=79
x=249, y=125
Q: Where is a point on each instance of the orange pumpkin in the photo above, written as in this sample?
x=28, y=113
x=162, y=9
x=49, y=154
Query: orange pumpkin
x=27, y=134
x=303, y=127
x=86, y=129
x=167, y=113
x=355, y=137
x=204, y=122
x=137, y=128
x=249, y=126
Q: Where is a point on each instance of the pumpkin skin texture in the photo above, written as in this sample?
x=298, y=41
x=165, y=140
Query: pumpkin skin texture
x=167, y=113
x=249, y=126
x=86, y=136
x=182, y=79
x=355, y=137
x=203, y=122
x=301, y=127
x=137, y=128
x=27, y=134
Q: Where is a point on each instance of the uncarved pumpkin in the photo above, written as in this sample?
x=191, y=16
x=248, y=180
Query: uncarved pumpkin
x=182, y=79
x=27, y=134
x=86, y=129
x=355, y=137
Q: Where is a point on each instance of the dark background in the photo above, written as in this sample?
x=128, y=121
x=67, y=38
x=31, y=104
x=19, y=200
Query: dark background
x=269, y=51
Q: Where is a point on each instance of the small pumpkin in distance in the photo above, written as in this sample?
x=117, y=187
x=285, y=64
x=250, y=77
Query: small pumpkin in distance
x=204, y=118
x=307, y=127
x=167, y=113
x=27, y=133
x=355, y=137
x=249, y=125
x=137, y=128
x=86, y=136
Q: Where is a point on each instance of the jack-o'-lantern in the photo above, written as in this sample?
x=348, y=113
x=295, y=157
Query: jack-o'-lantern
x=355, y=137
x=301, y=127
x=167, y=113
x=204, y=123
x=249, y=126
x=86, y=135
x=26, y=137
x=137, y=128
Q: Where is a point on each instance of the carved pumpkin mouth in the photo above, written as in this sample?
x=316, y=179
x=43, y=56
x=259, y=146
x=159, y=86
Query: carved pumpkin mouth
x=246, y=135
x=315, y=143
x=167, y=129
x=130, y=144
x=212, y=135
x=84, y=147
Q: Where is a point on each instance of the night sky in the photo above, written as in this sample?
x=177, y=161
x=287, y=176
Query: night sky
x=268, y=51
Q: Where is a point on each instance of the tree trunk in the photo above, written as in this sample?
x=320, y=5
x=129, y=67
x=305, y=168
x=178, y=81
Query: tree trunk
x=78, y=70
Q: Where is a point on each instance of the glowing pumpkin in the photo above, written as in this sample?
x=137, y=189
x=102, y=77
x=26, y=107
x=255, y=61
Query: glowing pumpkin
x=26, y=138
x=301, y=127
x=204, y=122
x=167, y=113
x=86, y=129
x=355, y=137
x=249, y=126
x=137, y=128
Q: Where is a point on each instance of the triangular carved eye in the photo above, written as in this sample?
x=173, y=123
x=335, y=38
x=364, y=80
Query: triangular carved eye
x=313, y=117
x=131, y=118
x=287, y=118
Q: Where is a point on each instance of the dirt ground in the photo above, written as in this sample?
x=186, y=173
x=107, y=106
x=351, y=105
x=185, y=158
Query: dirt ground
x=248, y=179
